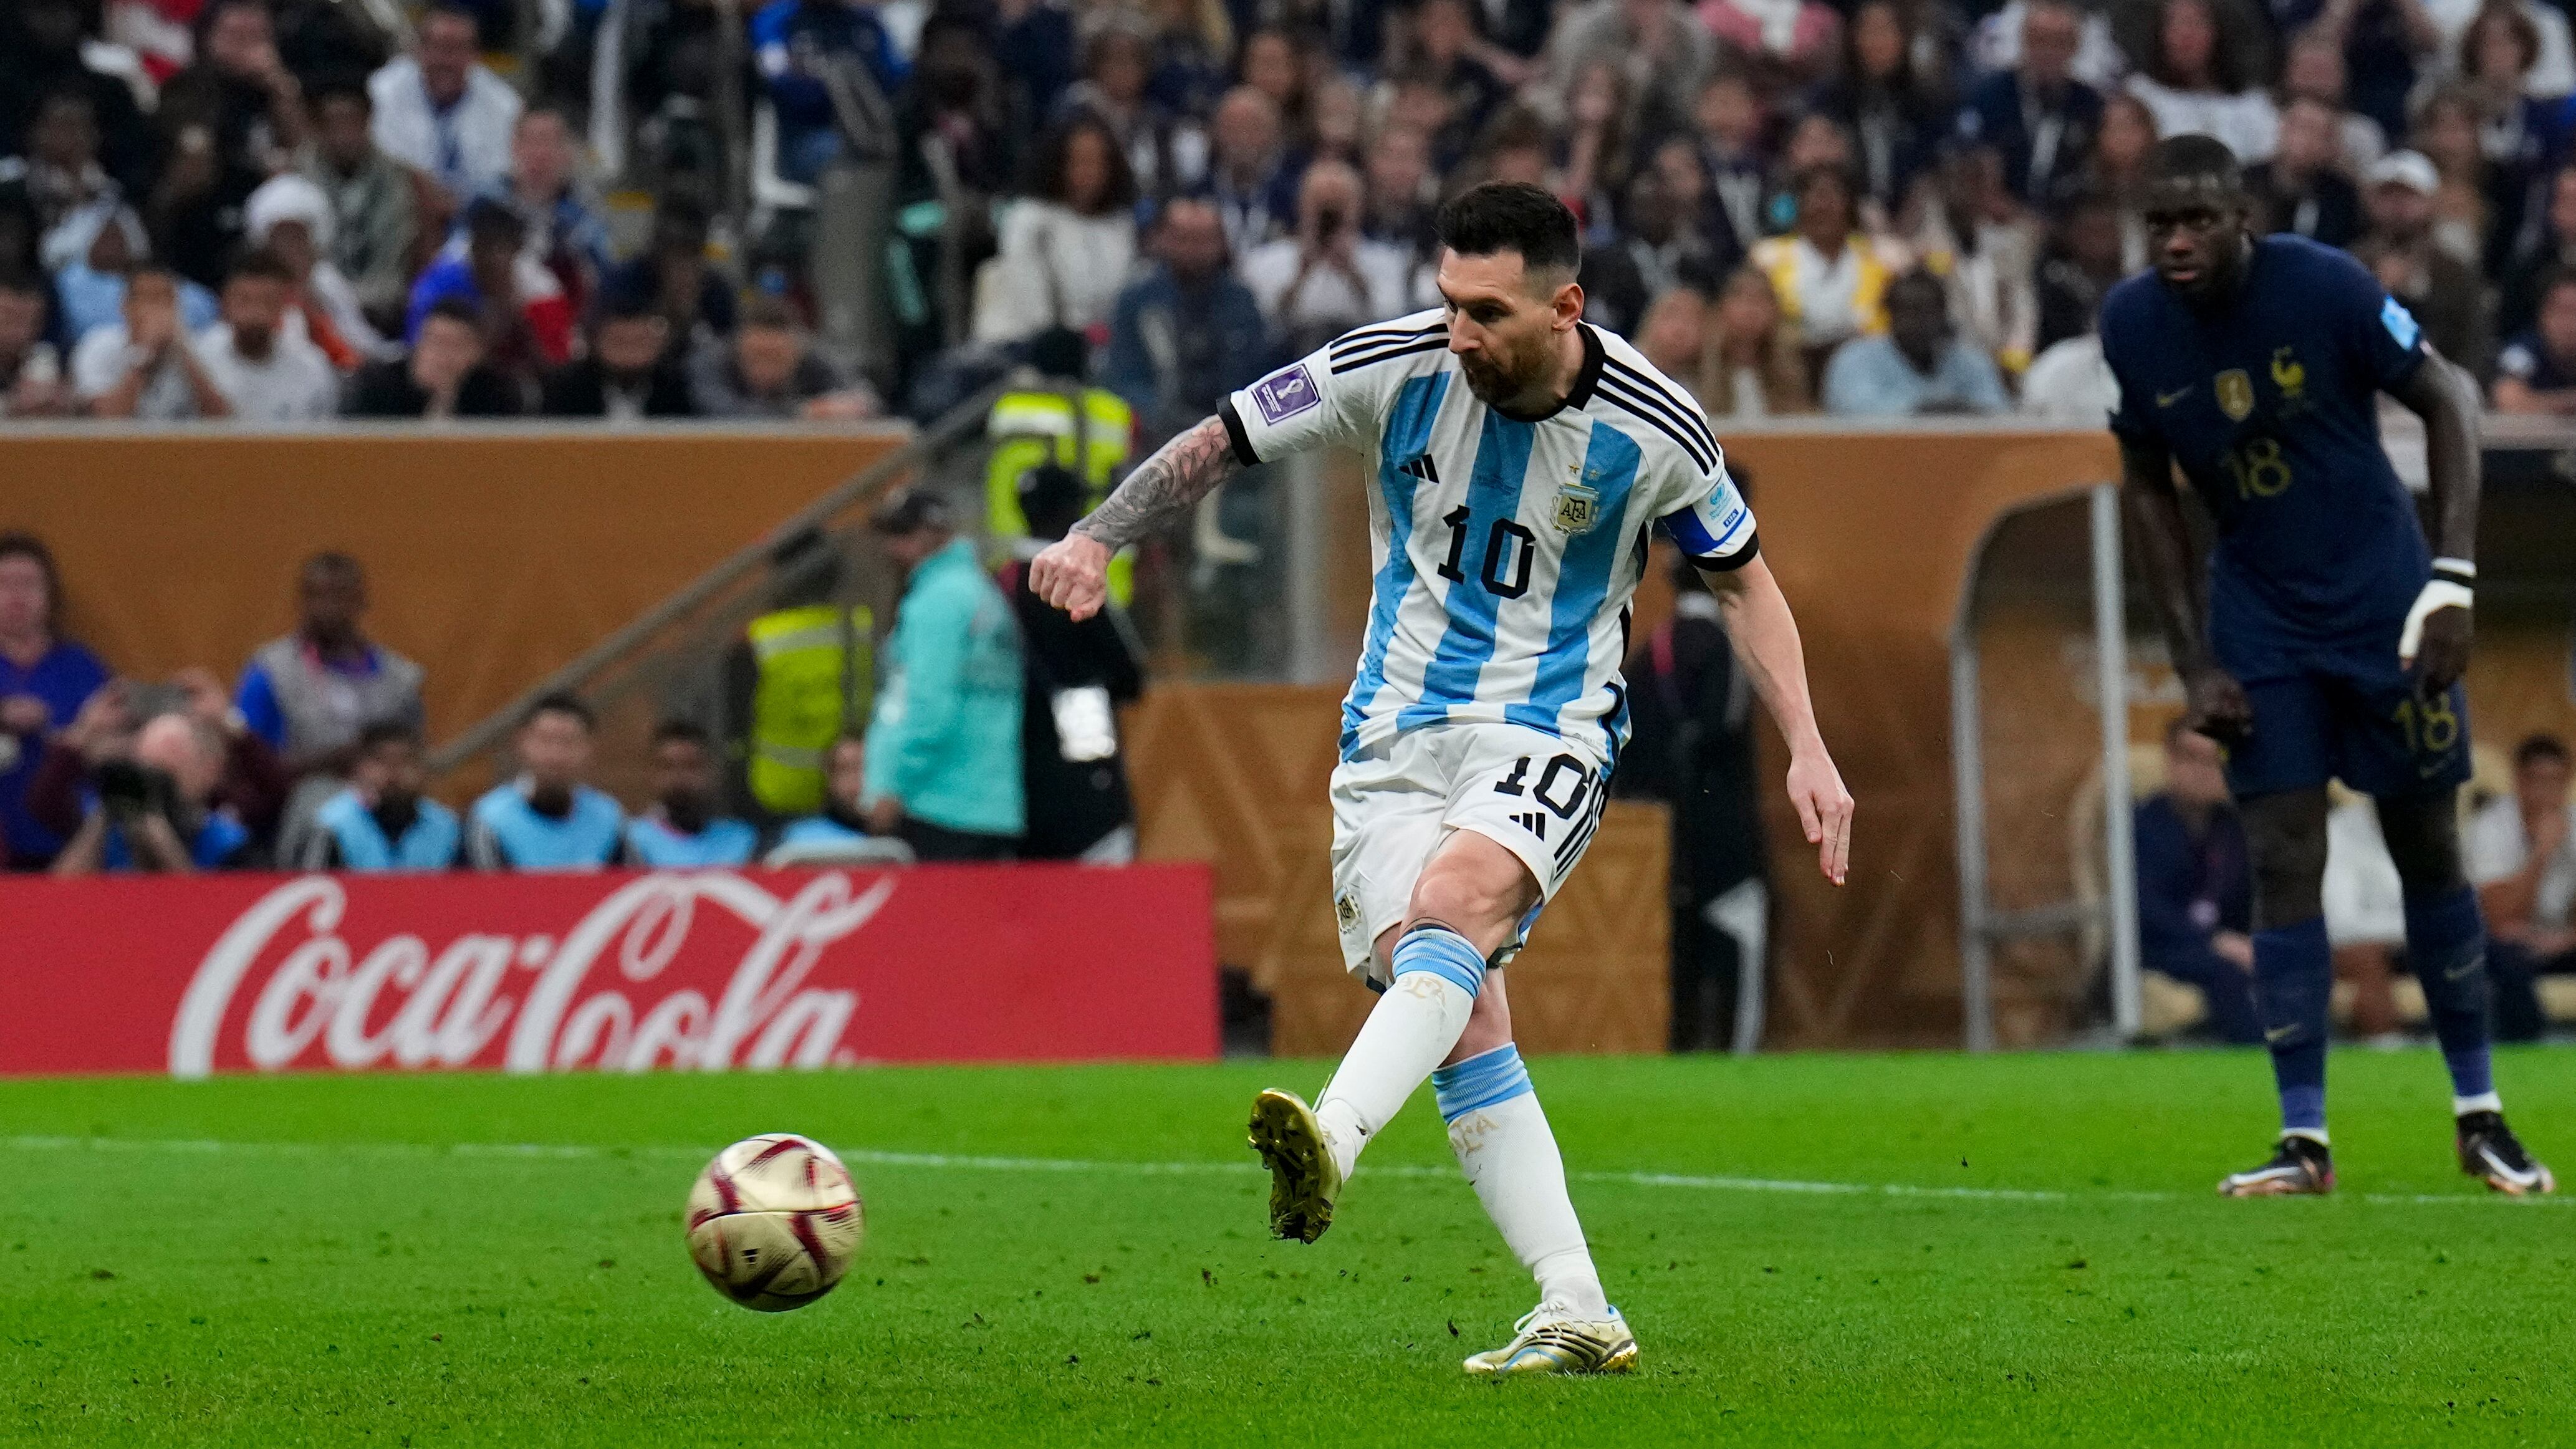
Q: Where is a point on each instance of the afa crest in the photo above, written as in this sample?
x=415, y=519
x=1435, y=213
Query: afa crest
x=2235, y=394
x=1577, y=508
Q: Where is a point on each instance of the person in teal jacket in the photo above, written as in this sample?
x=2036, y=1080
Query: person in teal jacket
x=943, y=751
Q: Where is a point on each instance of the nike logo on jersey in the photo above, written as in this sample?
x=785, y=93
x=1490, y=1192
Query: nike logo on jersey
x=2168, y=399
x=1421, y=468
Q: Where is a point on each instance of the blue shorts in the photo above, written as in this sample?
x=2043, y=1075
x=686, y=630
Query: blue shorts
x=2365, y=726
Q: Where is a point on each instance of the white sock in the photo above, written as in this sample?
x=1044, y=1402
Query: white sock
x=1414, y=1025
x=2482, y=1102
x=1504, y=1145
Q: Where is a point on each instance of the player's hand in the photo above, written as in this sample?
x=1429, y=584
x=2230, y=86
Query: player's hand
x=1824, y=810
x=2442, y=651
x=2214, y=704
x=1072, y=574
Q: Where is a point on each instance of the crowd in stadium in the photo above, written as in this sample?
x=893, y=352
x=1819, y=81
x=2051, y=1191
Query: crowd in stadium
x=275, y=210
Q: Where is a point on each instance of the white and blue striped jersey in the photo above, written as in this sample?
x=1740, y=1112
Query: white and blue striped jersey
x=1506, y=550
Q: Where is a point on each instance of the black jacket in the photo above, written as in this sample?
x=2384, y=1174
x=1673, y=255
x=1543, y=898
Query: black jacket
x=580, y=390
x=385, y=390
x=1071, y=804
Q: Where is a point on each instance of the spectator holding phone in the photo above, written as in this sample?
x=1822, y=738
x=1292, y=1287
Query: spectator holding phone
x=45, y=679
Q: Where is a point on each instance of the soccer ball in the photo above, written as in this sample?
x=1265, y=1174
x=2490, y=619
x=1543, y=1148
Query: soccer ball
x=774, y=1221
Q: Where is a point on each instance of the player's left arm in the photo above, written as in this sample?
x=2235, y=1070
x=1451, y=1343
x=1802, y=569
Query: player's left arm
x=2435, y=641
x=1766, y=639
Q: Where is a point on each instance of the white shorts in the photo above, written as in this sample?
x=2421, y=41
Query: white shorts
x=1535, y=795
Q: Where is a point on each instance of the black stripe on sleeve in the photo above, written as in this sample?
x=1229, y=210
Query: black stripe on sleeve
x=1729, y=563
x=1365, y=338
x=1655, y=416
x=1356, y=362
x=1236, y=435
x=1679, y=402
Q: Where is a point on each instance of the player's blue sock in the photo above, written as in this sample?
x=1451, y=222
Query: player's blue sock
x=1484, y=1080
x=2294, y=984
x=2446, y=941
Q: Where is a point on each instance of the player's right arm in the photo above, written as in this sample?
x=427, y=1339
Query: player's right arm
x=2174, y=572
x=1330, y=396
x=1072, y=573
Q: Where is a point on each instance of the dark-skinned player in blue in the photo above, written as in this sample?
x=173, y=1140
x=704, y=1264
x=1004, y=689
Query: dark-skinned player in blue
x=2320, y=638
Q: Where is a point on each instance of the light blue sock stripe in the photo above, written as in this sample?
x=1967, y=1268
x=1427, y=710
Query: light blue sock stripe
x=1443, y=953
x=1480, y=1081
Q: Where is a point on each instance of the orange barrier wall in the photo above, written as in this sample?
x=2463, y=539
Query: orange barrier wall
x=496, y=554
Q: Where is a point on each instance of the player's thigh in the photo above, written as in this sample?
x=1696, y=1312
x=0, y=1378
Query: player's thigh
x=1387, y=805
x=2392, y=742
x=1538, y=797
x=2292, y=744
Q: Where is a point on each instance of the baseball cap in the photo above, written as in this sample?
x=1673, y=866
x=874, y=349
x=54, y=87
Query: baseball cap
x=2409, y=169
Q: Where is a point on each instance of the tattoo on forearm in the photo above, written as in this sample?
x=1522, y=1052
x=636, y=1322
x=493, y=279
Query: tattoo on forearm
x=1164, y=486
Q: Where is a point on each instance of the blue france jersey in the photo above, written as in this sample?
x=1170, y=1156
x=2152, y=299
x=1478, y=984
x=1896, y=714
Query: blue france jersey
x=2271, y=407
x=1506, y=550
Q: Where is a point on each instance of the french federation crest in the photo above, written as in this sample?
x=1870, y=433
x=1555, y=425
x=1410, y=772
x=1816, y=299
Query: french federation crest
x=2235, y=394
x=1577, y=508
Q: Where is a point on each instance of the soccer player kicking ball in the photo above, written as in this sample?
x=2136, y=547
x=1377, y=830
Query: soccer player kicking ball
x=2318, y=640
x=1520, y=458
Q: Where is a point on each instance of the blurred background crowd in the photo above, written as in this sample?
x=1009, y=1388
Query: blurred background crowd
x=275, y=210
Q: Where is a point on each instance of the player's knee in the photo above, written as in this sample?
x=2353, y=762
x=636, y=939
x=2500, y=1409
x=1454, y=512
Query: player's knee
x=1471, y=896
x=2423, y=836
x=2289, y=866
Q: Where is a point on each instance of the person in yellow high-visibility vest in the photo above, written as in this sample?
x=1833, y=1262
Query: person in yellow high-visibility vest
x=804, y=674
x=1088, y=430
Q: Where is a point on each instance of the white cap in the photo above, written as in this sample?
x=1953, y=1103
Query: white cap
x=2408, y=169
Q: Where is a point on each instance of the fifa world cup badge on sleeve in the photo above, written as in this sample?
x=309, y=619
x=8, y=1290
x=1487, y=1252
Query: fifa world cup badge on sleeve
x=1284, y=394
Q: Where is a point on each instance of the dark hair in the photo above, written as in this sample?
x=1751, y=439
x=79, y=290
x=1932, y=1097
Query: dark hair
x=2195, y=157
x=14, y=544
x=763, y=310
x=260, y=264
x=387, y=732
x=2550, y=281
x=562, y=701
x=1917, y=279
x=339, y=86
x=1512, y=216
x=626, y=304
x=2226, y=64
x=491, y=216
x=448, y=11
x=683, y=731
x=2542, y=746
x=333, y=560
x=911, y=511
x=1048, y=165
x=454, y=309
x=2526, y=37
x=67, y=95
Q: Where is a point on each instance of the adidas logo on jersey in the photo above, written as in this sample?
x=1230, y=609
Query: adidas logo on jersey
x=1535, y=822
x=1421, y=468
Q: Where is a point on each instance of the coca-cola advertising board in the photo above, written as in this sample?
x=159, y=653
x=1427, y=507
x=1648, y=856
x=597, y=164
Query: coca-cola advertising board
x=620, y=971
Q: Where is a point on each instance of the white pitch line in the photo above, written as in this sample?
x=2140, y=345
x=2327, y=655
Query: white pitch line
x=951, y=1162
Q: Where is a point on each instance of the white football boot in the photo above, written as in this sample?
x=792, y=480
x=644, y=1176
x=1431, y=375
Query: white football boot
x=1550, y=1340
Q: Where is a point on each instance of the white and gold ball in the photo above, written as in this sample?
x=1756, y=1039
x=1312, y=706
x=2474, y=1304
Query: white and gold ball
x=774, y=1221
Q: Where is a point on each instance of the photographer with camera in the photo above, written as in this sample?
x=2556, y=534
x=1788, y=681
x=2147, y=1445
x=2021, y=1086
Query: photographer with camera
x=151, y=808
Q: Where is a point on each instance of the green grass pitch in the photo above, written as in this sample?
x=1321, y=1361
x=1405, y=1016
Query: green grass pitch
x=480, y=1259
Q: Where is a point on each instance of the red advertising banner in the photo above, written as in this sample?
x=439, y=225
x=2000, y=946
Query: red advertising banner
x=621, y=971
